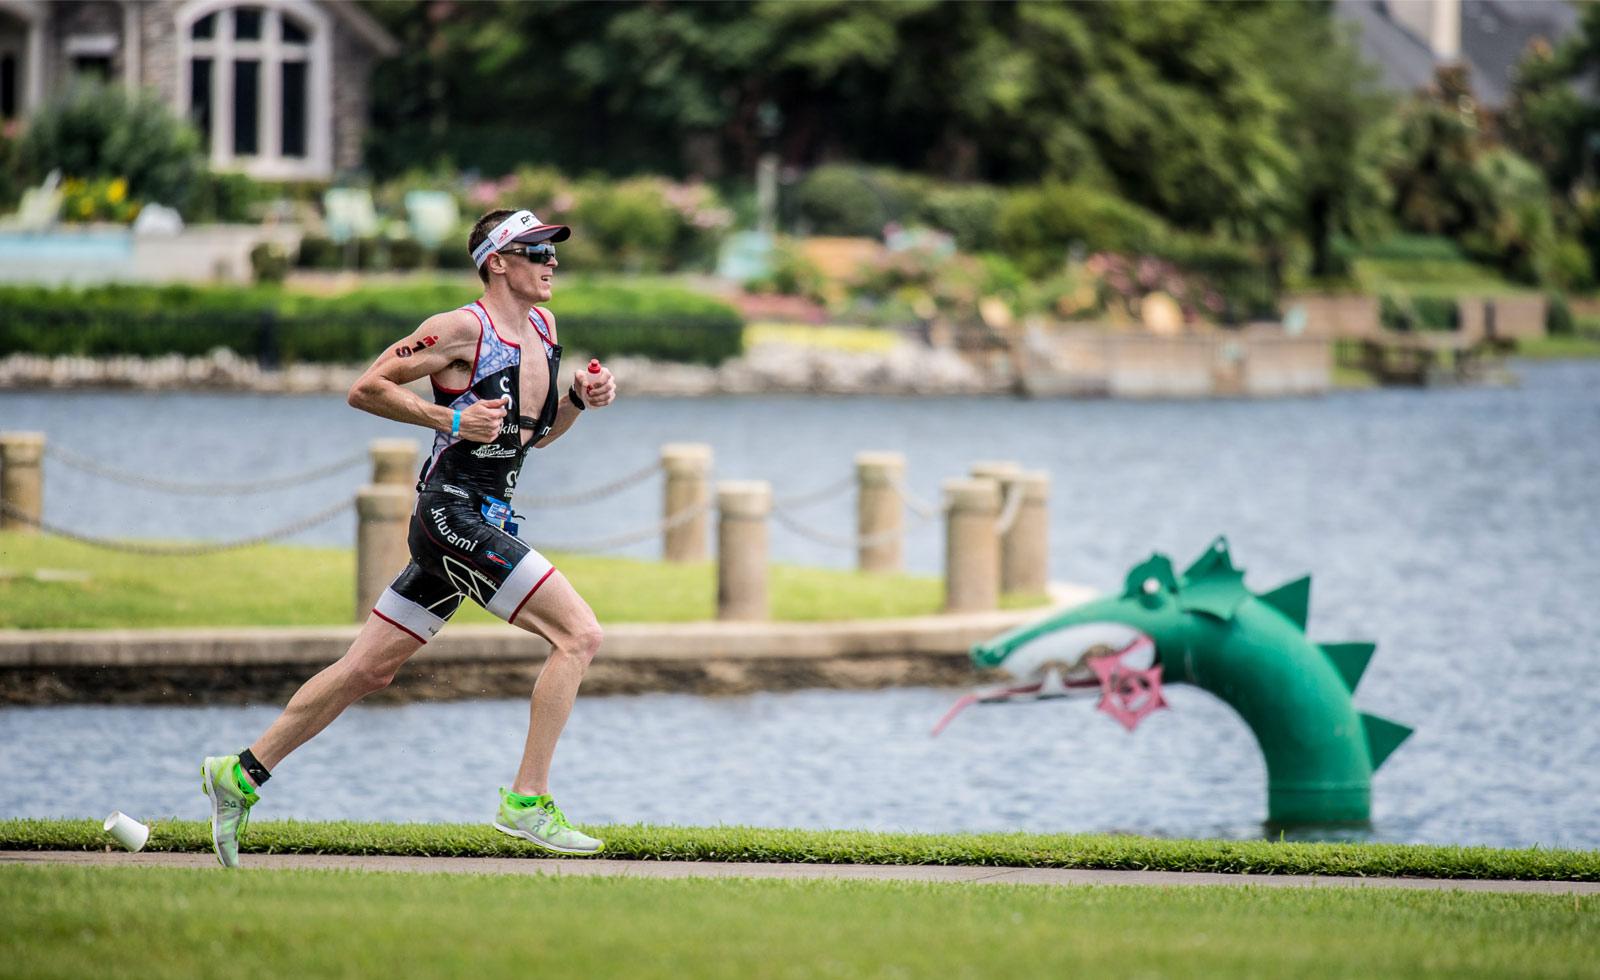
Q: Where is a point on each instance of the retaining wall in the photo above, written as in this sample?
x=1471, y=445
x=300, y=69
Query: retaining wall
x=203, y=666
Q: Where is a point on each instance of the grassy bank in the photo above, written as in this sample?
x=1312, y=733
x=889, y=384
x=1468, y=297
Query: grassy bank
x=74, y=922
x=50, y=583
x=642, y=843
x=1570, y=347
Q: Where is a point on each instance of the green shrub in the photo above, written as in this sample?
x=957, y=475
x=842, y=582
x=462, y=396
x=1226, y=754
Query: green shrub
x=405, y=254
x=1558, y=318
x=605, y=319
x=269, y=263
x=970, y=213
x=1399, y=311
x=1038, y=227
x=1569, y=266
x=104, y=131
x=224, y=197
x=630, y=222
x=853, y=200
x=1513, y=224
x=318, y=252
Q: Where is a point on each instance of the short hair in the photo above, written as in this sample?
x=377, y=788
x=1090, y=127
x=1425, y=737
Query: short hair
x=480, y=232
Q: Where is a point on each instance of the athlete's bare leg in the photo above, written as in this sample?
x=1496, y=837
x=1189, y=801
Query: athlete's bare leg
x=557, y=613
x=369, y=665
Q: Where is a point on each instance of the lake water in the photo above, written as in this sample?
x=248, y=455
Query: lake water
x=1460, y=529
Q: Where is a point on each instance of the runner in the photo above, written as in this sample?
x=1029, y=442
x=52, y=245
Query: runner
x=463, y=541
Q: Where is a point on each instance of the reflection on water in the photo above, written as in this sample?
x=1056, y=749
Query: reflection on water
x=1458, y=529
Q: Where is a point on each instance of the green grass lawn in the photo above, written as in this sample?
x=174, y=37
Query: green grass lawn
x=1560, y=348
x=291, y=586
x=136, y=922
x=643, y=843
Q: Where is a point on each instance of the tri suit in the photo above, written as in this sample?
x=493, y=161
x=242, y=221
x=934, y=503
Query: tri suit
x=462, y=544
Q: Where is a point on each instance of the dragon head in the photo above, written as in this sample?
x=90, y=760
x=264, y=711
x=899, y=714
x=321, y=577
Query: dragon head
x=1158, y=614
x=1203, y=627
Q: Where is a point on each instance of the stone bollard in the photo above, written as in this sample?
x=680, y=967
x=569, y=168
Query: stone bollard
x=971, y=546
x=996, y=470
x=688, y=466
x=742, y=509
x=1025, y=545
x=383, y=512
x=880, y=513
x=21, y=481
x=394, y=461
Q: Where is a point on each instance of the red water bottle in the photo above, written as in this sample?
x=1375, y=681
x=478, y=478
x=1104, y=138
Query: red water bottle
x=594, y=368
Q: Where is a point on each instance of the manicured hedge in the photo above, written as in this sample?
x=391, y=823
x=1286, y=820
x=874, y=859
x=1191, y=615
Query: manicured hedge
x=277, y=326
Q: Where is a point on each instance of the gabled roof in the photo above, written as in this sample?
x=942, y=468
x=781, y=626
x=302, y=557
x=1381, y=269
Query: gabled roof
x=1494, y=35
x=363, y=26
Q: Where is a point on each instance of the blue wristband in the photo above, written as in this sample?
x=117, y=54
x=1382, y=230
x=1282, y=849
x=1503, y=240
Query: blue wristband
x=455, y=424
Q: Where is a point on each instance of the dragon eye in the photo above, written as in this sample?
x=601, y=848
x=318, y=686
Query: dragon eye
x=1151, y=586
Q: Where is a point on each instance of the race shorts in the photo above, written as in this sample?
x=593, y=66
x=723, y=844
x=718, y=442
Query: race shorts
x=457, y=553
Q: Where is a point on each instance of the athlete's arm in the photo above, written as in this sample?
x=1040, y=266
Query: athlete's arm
x=596, y=390
x=443, y=340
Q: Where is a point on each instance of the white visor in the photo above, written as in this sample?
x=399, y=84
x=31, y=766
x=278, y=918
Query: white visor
x=522, y=226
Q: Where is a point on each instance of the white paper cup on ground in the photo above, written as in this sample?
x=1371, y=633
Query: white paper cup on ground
x=129, y=832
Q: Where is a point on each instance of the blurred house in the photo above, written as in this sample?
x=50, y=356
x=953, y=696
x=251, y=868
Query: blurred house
x=1409, y=39
x=277, y=88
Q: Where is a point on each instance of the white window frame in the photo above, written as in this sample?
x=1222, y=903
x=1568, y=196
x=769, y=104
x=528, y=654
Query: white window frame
x=270, y=52
x=30, y=61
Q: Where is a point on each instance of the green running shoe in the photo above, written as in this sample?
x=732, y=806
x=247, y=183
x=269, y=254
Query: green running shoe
x=544, y=824
x=230, y=806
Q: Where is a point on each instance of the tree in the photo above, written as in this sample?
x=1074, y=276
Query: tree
x=1550, y=120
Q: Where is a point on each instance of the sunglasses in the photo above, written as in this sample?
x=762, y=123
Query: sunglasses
x=537, y=254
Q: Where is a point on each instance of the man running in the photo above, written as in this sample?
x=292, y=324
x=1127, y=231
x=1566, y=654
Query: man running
x=463, y=543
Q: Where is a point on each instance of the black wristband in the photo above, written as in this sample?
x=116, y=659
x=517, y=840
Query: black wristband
x=253, y=768
x=572, y=395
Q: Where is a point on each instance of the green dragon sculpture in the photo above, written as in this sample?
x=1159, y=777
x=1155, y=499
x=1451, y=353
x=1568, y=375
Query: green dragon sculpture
x=1205, y=628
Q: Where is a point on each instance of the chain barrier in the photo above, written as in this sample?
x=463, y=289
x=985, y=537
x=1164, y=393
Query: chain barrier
x=1009, y=511
x=918, y=506
x=601, y=492
x=815, y=496
x=240, y=489
x=846, y=540
x=626, y=538
x=183, y=550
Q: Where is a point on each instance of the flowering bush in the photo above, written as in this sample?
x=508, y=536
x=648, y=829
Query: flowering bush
x=929, y=279
x=792, y=274
x=105, y=199
x=645, y=224
x=1123, y=282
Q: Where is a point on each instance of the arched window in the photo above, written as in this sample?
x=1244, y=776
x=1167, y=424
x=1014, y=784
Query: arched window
x=256, y=84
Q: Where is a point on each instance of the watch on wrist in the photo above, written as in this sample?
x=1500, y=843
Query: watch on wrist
x=572, y=395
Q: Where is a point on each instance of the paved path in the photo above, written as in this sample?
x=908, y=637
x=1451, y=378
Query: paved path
x=855, y=872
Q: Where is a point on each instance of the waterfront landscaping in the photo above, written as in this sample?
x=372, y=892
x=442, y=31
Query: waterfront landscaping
x=51, y=583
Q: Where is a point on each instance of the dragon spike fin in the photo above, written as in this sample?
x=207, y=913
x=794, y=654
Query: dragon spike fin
x=1383, y=737
x=1215, y=558
x=1293, y=599
x=1350, y=660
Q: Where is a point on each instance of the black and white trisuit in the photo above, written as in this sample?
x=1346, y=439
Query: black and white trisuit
x=459, y=547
